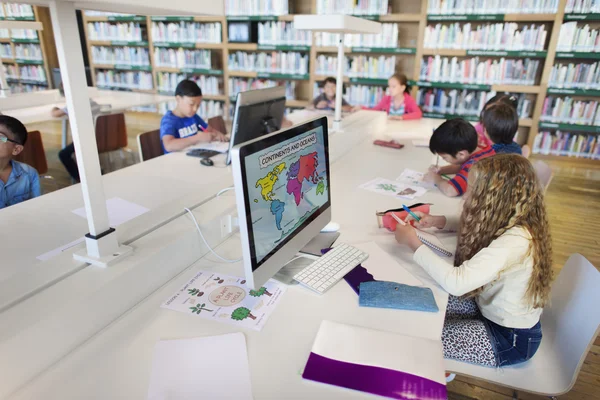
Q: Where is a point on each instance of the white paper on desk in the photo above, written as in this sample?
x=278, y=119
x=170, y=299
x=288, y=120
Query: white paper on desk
x=412, y=177
x=119, y=211
x=221, y=147
x=384, y=267
x=399, y=190
x=214, y=367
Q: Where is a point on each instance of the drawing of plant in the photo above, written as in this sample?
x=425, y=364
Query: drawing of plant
x=241, y=313
x=388, y=187
x=195, y=292
x=199, y=308
x=260, y=292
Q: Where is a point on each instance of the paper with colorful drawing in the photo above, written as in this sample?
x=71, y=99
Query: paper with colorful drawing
x=413, y=177
x=396, y=189
x=226, y=298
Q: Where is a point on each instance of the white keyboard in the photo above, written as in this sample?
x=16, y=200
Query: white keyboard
x=330, y=268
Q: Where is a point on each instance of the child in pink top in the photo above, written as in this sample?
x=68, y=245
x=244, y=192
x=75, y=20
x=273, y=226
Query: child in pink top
x=398, y=104
x=510, y=100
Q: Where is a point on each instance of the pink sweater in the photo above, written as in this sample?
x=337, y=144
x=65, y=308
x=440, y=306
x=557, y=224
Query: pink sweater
x=411, y=110
x=482, y=141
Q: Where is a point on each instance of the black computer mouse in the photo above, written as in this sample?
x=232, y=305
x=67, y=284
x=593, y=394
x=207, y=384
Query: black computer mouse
x=207, y=162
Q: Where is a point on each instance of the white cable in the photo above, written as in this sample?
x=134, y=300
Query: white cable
x=206, y=243
x=227, y=189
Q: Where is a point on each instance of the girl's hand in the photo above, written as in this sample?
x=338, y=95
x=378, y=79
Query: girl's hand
x=405, y=234
x=396, y=117
x=427, y=221
x=356, y=108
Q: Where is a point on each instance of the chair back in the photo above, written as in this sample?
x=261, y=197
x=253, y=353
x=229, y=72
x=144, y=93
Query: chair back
x=218, y=123
x=33, y=153
x=111, y=132
x=543, y=172
x=573, y=315
x=149, y=145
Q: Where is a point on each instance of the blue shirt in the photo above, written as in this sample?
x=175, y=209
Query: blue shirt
x=23, y=184
x=180, y=128
x=501, y=148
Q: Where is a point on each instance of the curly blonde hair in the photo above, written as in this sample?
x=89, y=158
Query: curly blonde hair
x=504, y=192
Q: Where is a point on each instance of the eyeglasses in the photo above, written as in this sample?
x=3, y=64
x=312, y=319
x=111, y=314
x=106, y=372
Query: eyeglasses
x=4, y=139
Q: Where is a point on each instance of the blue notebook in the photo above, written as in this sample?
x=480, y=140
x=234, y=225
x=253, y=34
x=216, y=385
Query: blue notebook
x=382, y=294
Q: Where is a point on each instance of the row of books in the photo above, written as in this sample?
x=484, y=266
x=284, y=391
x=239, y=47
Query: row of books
x=28, y=51
x=186, y=32
x=575, y=76
x=363, y=95
x=207, y=109
x=463, y=102
x=181, y=58
x=566, y=110
x=24, y=34
x=238, y=85
x=478, y=70
x=387, y=38
x=355, y=7
x=358, y=66
x=256, y=7
x=6, y=51
x=32, y=73
x=582, y=6
x=168, y=81
x=497, y=36
x=131, y=31
x=124, y=79
x=460, y=7
x=25, y=88
x=18, y=10
x=578, y=38
x=11, y=71
x=282, y=32
x=120, y=55
x=567, y=144
x=274, y=62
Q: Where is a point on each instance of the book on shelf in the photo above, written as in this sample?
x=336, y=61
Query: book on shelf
x=4, y=33
x=358, y=66
x=168, y=81
x=387, y=38
x=180, y=58
x=28, y=51
x=19, y=10
x=354, y=7
x=574, y=37
x=478, y=7
x=11, y=71
x=364, y=95
x=238, y=85
x=567, y=110
x=282, y=33
x=478, y=70
x=93, y=13
x=567, y=144
x=463, y=102
x=6, y=51
x=124, y=79
x=575, y=76
x=273, y=62
x=118, y=31
x=32, y=73
x=120, y=55
x=24, y=34
x=256, y=7
x=186, y=32
x=489, y=36
x=25, y=88
x=582, y=6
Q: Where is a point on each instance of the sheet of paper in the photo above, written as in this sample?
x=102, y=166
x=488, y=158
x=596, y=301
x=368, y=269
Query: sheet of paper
x=214, y=367
x=226, y=298
x=396, y=189
x=221, y=147
x=119, y=211
x=413, y=177
x=420, y=142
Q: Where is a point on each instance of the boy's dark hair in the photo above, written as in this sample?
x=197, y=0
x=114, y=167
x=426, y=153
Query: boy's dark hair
x=508, y=99
x=329, y=79
x=188, y=88
x=501, y=123
x=453, y=136
x=16, y=127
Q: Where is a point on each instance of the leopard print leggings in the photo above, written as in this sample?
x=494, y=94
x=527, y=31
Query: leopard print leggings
x=464, y=336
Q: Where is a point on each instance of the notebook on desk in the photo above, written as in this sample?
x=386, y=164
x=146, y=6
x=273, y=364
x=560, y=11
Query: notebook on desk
x=428, y=239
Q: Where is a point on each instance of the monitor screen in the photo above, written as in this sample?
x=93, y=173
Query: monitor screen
x=286, y=184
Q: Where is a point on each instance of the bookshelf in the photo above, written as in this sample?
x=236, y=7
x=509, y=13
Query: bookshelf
x=27, y=55
x=411, y=24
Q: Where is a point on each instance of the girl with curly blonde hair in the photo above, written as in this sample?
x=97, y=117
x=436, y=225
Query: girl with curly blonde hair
x=500, y=279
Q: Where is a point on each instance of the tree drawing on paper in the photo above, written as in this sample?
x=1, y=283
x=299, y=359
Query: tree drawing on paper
x=388, y=187
x=260, y=292
x=241, y=313
x=198, y=308
x=195, y=292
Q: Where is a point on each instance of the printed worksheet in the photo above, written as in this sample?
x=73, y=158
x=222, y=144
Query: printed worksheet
x=412, y=177
x=396, y=189
x=226, y=298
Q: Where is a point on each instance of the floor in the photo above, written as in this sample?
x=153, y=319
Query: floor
x=573, y=201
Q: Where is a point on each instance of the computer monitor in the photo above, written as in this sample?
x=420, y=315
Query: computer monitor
x=283, y=195
x=257, y=112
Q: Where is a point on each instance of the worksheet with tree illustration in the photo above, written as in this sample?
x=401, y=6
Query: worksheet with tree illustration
x=226, y=298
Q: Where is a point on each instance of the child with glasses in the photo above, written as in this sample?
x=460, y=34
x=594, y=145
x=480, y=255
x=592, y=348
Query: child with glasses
x=18, y=181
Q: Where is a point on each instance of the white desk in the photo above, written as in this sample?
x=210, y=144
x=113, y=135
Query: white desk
x=116, y=362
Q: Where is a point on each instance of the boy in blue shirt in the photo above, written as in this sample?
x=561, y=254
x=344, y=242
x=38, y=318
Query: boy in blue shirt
x=18, y=181
x=182, y=127
x=500, y=124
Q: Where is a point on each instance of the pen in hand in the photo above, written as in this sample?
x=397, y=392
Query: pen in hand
x=415, y=216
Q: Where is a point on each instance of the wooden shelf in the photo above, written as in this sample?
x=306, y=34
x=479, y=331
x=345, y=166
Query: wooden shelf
x=516, y=88
x=255, y=17
x=529, y=17
x=142, y=43
x=569, y=127
x=481, y=53
x=243, y=74
x=242, y=46
x=188, y=45
x=526, y=122
x=283, y=47
x=400, y=18
x=190, y=70
x=8, y=61
x=4, y=40
x=575, y=92
x=124, y=67
x=445, y=52
x=384, y=50
x=330, y=49
x=296, y=103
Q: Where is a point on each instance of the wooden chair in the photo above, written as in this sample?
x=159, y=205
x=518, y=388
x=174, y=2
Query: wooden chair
x=218, y=123
x=33, y=154
x=149, y=145
x=543, y=172
x=111, y=135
